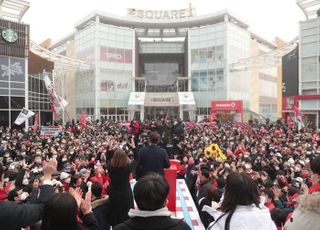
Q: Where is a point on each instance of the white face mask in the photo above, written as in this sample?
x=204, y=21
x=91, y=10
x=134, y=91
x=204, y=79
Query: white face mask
x=23, y=154
x=24, y=195
x=25, y=181
x=68, y=180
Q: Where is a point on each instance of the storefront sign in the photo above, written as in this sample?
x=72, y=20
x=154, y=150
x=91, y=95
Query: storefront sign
x=161, y=99
x=9, y=35
x=160, y=14
x=115, y=55
x=226, y=106
x=288, y=104
x=111, y=86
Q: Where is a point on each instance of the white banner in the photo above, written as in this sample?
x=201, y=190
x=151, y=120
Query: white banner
x=186, y=98
x=24, y=115
x=136, y=98
x=50, y=131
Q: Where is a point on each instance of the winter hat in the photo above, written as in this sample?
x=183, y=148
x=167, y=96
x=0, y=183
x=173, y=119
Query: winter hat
x=64, y=175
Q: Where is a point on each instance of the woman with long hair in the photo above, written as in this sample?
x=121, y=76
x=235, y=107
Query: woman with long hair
x=120, y=193
x=61, y=212
x=241, y=207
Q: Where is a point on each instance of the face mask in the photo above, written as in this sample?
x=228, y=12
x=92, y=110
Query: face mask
x=23, y=154
x=263, y=199
x=68, y=180
x=24, y=195
x=276, y=168
x=25, y=181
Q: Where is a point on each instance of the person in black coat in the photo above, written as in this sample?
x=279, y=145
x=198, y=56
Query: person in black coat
x=152, y=158
x=99, y=206
x=16, y=216
x=150, y=194
x=120, y=193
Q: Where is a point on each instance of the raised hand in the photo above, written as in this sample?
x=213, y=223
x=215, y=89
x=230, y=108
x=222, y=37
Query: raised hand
x=49, y=168
x=86, y=207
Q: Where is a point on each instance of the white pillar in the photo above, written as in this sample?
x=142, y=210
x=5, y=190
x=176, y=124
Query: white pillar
x=142, y=113
x=180, y=112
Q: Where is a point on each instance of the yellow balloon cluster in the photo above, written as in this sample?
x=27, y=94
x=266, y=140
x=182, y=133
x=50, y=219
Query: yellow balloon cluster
x=214, y=150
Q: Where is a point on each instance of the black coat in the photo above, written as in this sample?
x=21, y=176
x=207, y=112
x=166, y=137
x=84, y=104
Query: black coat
x=15, y=216
x=153, y=223
x=120, y=195
x=100, y=211
x=151, y=159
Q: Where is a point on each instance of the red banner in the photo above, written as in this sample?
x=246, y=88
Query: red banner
x=227, y=106
x=115, y=55
x=288, y=104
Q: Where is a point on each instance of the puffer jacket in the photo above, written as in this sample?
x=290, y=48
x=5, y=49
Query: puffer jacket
x=307, y=215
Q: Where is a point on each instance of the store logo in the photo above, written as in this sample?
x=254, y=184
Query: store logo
x=160, y=14
x=114, y=56
x=9, y=35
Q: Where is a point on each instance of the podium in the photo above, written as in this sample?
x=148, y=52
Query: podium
x=171, y=176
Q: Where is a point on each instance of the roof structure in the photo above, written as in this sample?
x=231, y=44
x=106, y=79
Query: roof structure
x=60, y=61
x=160, y=27
x=13, y=10
x=269, y=59
x=309, y=7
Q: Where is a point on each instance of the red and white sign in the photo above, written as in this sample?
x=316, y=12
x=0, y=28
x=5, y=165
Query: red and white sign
x=226, y=106
x=288, y=104
x=115, y=55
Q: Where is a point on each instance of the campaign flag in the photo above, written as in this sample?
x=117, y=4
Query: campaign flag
x=24, y=115
x=57, y=102
x=36, y=122
x=83, y=119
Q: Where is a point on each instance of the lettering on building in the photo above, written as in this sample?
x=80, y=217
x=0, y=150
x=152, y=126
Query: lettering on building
x=160, y=14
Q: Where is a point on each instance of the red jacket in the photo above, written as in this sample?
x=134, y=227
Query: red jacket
x=3, y=194
x=314, y=188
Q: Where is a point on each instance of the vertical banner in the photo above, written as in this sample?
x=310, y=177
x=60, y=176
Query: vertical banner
x=57, y=103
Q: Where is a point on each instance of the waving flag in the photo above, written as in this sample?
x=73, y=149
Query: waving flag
x=24, y=115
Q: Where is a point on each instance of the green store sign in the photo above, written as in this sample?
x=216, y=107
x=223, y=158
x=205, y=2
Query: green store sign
x=9, y=35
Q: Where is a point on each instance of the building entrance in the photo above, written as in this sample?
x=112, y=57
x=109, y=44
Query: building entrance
x=161, y=113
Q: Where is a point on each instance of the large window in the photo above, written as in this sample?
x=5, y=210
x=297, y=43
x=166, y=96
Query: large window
x=208, y=80
x=210, y=54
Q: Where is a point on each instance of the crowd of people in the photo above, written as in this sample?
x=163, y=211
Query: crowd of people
x=240, y=175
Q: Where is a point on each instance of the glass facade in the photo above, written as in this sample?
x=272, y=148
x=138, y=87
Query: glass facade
x=208, y=65
x=309, y=83
x=38, y=99
x=12, y=88
x=147, y=61
x=105, y=91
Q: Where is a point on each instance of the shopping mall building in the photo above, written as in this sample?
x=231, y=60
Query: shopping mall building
x=152, y=64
